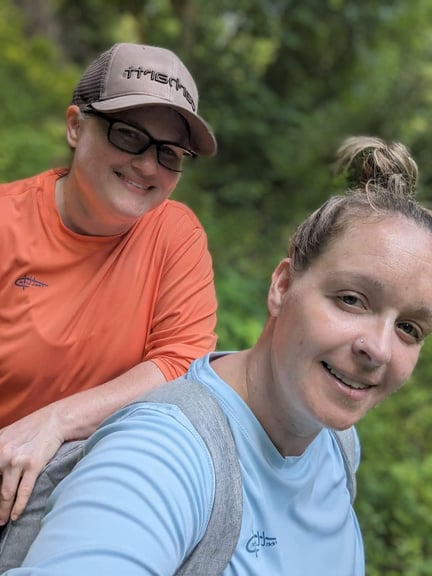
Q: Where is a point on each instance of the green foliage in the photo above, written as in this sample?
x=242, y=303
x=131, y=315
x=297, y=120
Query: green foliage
x=395, y=479
x=282, y=83
x=36, y=90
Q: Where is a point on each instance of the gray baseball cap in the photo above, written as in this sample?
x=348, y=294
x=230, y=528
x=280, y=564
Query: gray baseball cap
x=134, y=75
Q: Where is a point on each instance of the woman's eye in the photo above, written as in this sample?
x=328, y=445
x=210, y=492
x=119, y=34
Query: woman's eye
x=410, y=330
x=351, y=300
x=169, y=151
x=129, y=134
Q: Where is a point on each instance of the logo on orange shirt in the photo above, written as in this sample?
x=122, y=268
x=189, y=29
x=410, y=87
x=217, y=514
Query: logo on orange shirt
x=27, y=281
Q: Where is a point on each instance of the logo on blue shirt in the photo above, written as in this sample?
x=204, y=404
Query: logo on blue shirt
x=258, y=541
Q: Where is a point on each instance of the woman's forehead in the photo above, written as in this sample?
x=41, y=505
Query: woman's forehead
x=385, y=235
x=394, y=252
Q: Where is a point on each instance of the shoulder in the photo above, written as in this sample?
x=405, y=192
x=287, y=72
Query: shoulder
x=154, y=426
x=34, y=182
x=178, y=215
x=155, y=446
x=147, y=473
x=174, y=229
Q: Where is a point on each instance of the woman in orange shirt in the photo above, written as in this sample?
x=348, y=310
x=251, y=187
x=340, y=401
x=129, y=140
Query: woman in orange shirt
x=107, y=285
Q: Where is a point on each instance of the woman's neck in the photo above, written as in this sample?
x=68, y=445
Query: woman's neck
x=78, y=218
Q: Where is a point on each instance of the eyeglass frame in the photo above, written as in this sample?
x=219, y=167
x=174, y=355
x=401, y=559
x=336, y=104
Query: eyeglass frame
x=152, y=141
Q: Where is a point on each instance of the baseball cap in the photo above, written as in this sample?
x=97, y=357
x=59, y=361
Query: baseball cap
x=134, y=75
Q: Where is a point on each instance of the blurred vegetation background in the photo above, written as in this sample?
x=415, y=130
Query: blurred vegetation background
x=282, y=83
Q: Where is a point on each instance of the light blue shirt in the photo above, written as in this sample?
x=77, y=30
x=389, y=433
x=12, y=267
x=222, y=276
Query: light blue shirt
x=140, y=500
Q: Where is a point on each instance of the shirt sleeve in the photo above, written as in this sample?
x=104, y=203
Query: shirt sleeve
x=136, y=504
x=184, y=317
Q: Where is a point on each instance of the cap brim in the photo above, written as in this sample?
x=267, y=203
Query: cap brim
x=203, y=141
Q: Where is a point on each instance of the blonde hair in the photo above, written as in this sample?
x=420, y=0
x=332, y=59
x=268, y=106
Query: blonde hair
x=381, y=179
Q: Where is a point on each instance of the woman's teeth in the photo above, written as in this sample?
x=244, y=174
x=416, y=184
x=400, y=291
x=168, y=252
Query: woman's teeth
x=347, y=381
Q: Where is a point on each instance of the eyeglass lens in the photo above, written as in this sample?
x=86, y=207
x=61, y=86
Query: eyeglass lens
x=133, y=140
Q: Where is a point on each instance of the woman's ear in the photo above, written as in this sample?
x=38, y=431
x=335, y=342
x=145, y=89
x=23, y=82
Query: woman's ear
x=280, y=283
x=73, y=119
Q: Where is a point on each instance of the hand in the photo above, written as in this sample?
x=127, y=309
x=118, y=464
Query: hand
x=25, y=447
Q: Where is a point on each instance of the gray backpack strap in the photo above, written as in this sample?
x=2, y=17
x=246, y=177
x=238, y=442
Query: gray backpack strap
x=346, y=440
x=17, y=536
x=215, y=549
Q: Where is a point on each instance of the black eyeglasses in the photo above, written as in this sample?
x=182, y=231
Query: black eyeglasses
x=135, y=140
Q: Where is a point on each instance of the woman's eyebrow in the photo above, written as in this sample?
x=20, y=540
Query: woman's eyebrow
x=363, y=279
x=425, y=313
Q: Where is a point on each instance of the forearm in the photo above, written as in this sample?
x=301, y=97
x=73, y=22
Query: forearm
x=81, y=413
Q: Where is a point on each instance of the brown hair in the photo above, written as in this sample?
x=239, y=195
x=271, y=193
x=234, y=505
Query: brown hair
x=381, y=180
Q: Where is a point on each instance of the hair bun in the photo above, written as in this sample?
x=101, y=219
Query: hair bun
x=371, y=162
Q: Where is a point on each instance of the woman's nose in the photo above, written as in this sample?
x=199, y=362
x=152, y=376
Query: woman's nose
x=375, y=346
x=147, y=161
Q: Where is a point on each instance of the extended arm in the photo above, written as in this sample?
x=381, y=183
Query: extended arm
x=28, y=444
x=137, y=503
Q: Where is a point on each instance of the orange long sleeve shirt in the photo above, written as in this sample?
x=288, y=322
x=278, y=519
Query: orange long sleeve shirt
x=77, y=311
